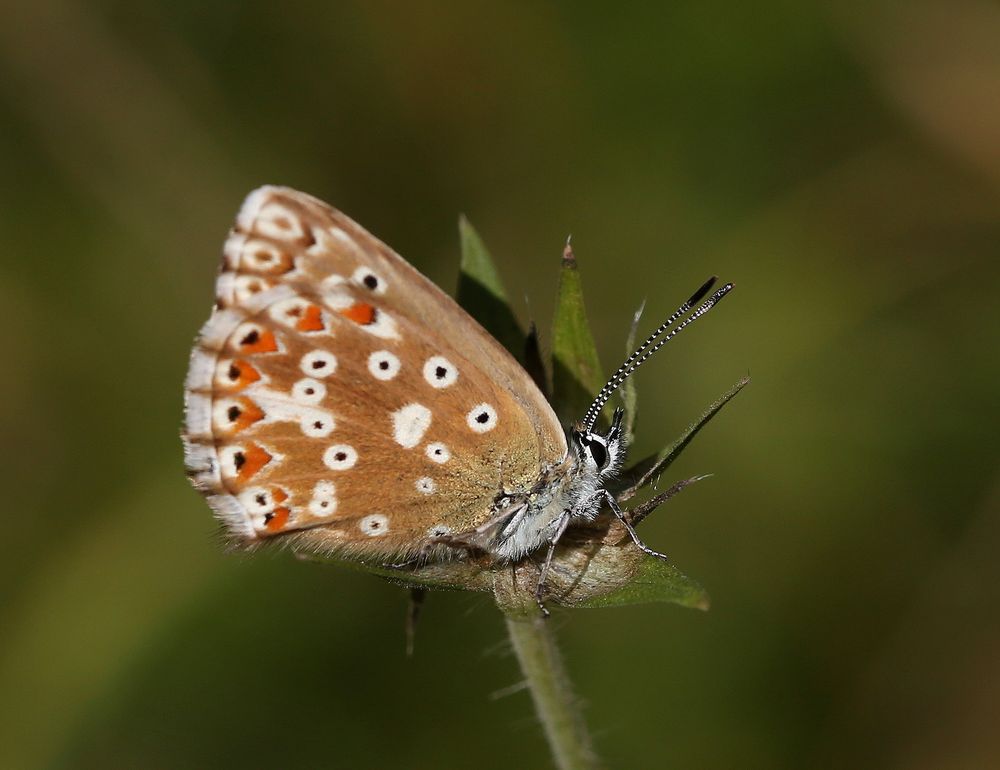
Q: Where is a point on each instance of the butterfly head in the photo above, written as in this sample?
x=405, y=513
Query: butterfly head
x=601, y=454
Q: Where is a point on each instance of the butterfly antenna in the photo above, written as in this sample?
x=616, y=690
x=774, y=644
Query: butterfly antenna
x=619, y=376
x=648, y=348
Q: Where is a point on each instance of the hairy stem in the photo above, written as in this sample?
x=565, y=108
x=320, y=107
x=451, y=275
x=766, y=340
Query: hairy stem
x=551, y=691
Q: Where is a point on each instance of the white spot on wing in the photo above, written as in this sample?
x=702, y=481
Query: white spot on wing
x=409, y=424
x=246, y=336
x=438, y=452
x=308, y=391
x=340, y=457
x=383, y=365
x=384, y=326
x=227, y=460
x=425, y=485
x=289, y=312
x=439, y=530
x=226, y=412
x=228, y=373
x=339, y=235
x=324, y=500
x=246, y=287
x=440, y=372
x=317, y=425
x=257, y=500
x=482, y=418
x=337, y=299
x=261, y=255
x=369, y=280
x=278, y=222
x=324, y=489
x=318, y=363
x=374, y=524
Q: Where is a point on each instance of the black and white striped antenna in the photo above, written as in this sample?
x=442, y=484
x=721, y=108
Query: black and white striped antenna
x=648, y=348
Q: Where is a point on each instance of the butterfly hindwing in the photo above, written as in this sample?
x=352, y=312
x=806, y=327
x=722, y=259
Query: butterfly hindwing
x=338, y=394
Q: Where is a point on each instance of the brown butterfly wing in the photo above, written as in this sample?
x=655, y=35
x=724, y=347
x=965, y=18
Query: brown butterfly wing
x=338, y=394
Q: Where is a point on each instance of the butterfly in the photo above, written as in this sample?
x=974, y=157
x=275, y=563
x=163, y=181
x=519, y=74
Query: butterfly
x=338, y=401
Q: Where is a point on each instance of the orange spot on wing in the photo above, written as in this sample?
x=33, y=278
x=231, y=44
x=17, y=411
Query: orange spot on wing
x=311, y=320
x=259, y=342
x=245, y=375
x=360, y=312
x=249, y=414
x=277, y=520
x=255, y=457
x=279, y=494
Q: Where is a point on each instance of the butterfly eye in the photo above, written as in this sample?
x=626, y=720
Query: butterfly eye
x=594, y=446
x=599, y=453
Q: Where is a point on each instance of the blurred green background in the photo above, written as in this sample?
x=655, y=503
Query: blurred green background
x=840, y=161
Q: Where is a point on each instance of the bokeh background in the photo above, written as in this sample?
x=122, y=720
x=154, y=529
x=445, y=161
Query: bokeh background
x=840, y=161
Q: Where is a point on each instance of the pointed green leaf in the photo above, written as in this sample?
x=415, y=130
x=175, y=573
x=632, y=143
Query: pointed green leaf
x=630, y=397
x=641, y=511
x=645, y=471
x=576, y=370
x=481, y=292
x=656, y=580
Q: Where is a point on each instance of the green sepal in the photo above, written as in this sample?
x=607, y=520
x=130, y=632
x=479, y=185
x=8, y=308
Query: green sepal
x=576, y=369
x=655, y=580
x=481, y=292
x=649, y=468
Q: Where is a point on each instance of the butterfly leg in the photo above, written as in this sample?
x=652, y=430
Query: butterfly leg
x=413, y=561
x=561, y=524
x=616, y=509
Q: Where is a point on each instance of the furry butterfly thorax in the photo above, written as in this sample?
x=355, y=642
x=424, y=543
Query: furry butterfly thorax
x=338, y=401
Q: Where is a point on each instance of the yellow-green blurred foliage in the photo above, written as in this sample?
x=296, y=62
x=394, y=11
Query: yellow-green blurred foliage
x=840, y=161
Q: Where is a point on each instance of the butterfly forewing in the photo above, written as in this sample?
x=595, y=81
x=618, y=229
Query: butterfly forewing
x=338, y=394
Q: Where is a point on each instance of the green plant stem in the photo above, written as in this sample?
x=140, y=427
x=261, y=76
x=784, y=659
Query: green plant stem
x=552, y=693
